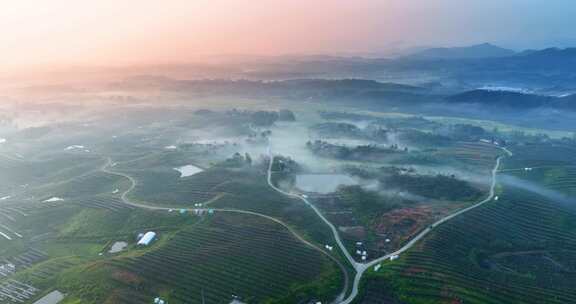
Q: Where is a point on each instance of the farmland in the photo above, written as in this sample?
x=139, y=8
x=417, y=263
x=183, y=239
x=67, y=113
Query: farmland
x=225, y=233
x=513, y=250
x=379, y=224
x=212, y=261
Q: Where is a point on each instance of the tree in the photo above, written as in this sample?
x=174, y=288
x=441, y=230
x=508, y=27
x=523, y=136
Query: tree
x=264, y=118
x=286, y=115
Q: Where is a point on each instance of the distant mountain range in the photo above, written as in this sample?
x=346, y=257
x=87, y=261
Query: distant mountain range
x=485, y=50
x=513, y=100
x=367, y=92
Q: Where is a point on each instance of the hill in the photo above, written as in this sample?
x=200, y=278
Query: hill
x=496, y=98
x=485, y=50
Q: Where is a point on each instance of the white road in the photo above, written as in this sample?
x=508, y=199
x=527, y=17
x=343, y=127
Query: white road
x=133, y=183
x=362, y=267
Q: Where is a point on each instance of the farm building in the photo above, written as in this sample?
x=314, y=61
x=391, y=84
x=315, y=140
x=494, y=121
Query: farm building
x=147, y=238
x=158, y=300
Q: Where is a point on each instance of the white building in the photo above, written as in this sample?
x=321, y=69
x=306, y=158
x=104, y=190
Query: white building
x=147, y=238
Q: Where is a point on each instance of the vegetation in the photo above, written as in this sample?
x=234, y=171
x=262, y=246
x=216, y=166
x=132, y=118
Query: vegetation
x=210, y=262
x=360, y=153
x=439, y=186
x=513, y=250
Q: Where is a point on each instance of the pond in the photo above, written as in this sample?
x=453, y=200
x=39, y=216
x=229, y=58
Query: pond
x=322, y=183
x=188, y=170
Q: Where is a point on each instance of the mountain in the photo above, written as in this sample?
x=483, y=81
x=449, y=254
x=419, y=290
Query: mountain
x=567, y=102
x=513, y=100
x=502, y=99
x=551, y=57
x=485, y=50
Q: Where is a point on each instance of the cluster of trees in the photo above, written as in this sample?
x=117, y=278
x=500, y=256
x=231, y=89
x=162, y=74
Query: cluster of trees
x=439, y=186
x=467, y=132
x=256, y=118
x=412, y=122
x=238, y=161
x=331, y=115
x=442, y=187
x=285, y=164
x=369, y=204
x=337, y=129
x=361, y=152
x=259, y=137
x=268, y=118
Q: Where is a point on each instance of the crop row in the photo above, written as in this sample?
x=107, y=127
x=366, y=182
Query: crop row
x=223, y=259
x=458, y=262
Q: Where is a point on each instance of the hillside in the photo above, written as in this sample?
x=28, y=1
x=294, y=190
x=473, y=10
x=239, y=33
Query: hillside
x=505, y=99
x=485, y=50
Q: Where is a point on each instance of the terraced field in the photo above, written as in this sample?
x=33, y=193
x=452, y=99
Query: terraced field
x=479, y=156
x=513, y=250
x=165, y=187
x=246, y=256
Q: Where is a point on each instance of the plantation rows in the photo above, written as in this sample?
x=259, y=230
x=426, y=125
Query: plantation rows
x=474, y=154
x=14, y=210
x=12, y=291
x=252, y=193
x=553, y=167
x=50, y=268
x=27, y=259
x=166, y=187
x=558, y=178
x=45, y=172
x=229, y=256
x=7, y=163
x=104, y=202
x=86, y=185
x=541, y=155
x=456, y=263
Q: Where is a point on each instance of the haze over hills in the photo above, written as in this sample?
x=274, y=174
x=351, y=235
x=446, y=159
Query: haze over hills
x=511, y=99
x=288, y=151
x=485, y=50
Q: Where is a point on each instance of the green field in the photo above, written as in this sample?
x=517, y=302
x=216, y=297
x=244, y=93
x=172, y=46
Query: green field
x=518, y=249
x=63, y=210
x=242, y=255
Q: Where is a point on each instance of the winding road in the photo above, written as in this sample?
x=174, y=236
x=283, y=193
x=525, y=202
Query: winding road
x=362, y=267
x=124, y=197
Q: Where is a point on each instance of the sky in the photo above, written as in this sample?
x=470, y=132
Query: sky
x=117, y=32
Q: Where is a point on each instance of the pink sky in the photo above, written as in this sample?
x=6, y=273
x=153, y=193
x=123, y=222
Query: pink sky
x=109, y=31
x=36, y=32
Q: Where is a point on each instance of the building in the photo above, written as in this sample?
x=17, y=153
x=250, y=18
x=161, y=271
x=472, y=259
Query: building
x=147, y=238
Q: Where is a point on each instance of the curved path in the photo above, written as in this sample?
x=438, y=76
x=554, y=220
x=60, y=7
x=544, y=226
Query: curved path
x=133, y=183
x=362, y=267
x=351, y=260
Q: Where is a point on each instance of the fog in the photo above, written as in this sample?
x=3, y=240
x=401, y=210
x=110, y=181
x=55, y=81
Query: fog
x=550, y=194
